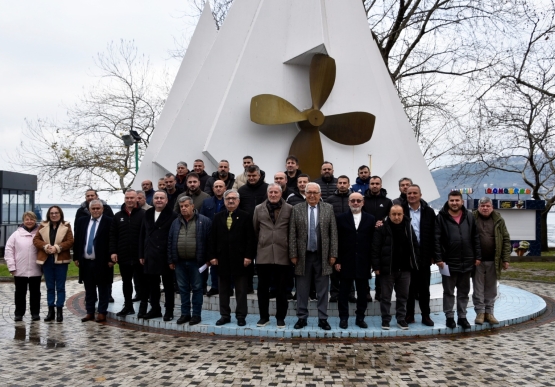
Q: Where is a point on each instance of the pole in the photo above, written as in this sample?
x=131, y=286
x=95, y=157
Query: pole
x=136, y=157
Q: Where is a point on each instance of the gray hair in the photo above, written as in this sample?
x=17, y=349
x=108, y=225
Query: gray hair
x=485, y=200
x=185, y=199
x=95, y=201
x=271, y=185
x=231, y=191
x=182, y=164
x=405, y=178
x=140, y=192
x=130, y=190
x=315, y=185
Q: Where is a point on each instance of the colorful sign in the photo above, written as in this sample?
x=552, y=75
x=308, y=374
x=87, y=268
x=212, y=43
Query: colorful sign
x=508, y=191
x=512, y=204
x=463, y=190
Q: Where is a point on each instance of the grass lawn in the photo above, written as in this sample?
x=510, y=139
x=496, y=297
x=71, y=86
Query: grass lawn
x=72, y=271
x=531, y=271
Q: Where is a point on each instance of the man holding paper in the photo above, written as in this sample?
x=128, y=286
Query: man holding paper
x=187, y=254
x=457, y=245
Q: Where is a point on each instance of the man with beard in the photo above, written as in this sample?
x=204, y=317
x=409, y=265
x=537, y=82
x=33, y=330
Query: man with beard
x=326, y=181
x=221, y=174
x=355, y=230
x=423, y=219
x=181, y=176
x=292, y=170
x=171, y=191
x=404, y=185
x=193, y=191
x=298, y=194
x=363, y=180
x=146, y=185
x=457, y=245
x=198, y=168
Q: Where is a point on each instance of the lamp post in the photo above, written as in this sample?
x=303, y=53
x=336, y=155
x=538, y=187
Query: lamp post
x=130, y=139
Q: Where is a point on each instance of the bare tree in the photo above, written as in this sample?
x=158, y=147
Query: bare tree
x=87, y=150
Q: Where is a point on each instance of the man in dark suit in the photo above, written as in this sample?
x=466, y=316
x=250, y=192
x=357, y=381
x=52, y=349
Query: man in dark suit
x=232, y=248
x=92, y=255
x=313, y=251
x=355, y=230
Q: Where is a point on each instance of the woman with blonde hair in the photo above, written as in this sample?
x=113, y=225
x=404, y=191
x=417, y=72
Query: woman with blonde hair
x=21, y=258
x=54, y=241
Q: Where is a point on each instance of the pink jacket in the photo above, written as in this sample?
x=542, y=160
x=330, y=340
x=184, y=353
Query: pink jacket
x=21, y=255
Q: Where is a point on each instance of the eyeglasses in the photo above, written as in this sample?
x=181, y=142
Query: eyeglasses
x=355, y=200
x=311, y=193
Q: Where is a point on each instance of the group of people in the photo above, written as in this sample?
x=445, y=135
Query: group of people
x=294, y=232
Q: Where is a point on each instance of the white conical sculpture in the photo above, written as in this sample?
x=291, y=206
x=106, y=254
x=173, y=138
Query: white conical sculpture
x=265, y=47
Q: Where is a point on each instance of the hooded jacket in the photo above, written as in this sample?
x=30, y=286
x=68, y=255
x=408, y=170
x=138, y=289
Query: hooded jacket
x=339, y=201
x=458, y=245
x=361, y=185
x=251, y=195
x=295, y=197
x=377, y=205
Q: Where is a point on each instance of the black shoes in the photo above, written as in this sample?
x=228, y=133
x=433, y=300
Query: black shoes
x=324, y=324
x=343, y=324
x=360, y=323
x=385, y=325
x=183, y=319
x=273, y=294
x=450, y=323
x=59, y=314
x=223, y=320
x=168, y=316
x=463, y=322
x=262, y=322
x=127, y=310
x=153, y=314
x=409, y=318
x=241, y=322
x=35, y=317
x=18, y=318
x=51, y=315
x=143, y=306
x=195, y=320
x=426, y=320
x=212, y=292
x=281, y=323
x=300, y=324
x=402, y=324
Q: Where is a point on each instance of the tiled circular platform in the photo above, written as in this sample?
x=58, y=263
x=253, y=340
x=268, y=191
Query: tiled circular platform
x=512, y=307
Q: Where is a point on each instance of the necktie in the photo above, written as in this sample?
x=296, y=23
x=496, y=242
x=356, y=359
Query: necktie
x=229, y=221
x=90, y=242
x=312, y=232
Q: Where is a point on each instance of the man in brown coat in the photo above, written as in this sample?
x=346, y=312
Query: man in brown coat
x=271, y=226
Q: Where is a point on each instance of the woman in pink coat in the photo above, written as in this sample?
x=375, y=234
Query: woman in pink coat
x=21, y=258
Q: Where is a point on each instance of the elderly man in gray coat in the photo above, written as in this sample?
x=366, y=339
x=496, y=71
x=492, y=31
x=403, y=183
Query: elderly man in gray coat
x=271, y=226
x=313, y=251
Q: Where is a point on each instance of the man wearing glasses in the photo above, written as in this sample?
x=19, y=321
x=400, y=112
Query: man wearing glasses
x=355, y=230
x=313, y=251
x=232, y=248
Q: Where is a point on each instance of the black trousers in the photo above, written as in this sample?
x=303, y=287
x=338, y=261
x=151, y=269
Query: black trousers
x=169, y=292
x=335, y=280
x=133, y=273
x=21, y=285
x=92, y=285
x=241, y=289
x=419, y=285
x=280, y=275
x=345, y=290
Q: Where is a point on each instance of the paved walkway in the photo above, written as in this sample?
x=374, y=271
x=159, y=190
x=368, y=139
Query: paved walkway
x=50, y=354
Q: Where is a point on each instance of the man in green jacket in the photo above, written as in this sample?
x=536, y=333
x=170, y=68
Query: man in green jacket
x=496, y=250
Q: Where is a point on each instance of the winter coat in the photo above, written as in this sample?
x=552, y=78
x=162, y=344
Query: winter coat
x=295, y=198
x=149, y=195
x=251, y=195
x=153, y=240
x=103, y=273
x=292, y=181
x=327, y=187
x=181, y=184
x=172, y=198
x=209, y=207
x=361, y=185
x=210, y=182
x=355, y=245
x=21, y=254
x=427, y=231
x=124, y=235
x=203, y=228
x=198, y=198
x=502, y=240
x=326, y=230
x=401, y=200
x=377, y=205
x=273, y=247
x=231, y=246
x=203, y=177
x=382, y=247
x=458, y=245
x=339, y=201
x=63, y=243
x=84, y=210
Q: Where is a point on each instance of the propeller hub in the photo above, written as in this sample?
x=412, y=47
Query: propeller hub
x=316, y=117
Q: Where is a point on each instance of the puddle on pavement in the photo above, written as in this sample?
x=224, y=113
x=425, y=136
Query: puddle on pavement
x=22, y=334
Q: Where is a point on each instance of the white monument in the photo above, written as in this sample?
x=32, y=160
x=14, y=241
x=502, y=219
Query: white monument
x=265, y=47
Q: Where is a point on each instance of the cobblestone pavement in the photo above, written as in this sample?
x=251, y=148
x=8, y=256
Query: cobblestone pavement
x=51, y=354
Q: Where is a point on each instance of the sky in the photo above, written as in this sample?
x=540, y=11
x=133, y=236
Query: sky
x=47, y=51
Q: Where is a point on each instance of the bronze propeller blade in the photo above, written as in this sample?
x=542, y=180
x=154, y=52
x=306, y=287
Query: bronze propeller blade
x=307, y=147
x=322, y=79
x=349, y=128
x=269, y=109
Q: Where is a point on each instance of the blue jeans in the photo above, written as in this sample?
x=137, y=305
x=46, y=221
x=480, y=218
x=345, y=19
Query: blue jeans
x=189, y=279
x=55, y=279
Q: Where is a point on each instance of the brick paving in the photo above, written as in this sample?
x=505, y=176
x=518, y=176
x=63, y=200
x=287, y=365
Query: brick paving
x=91, y=354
